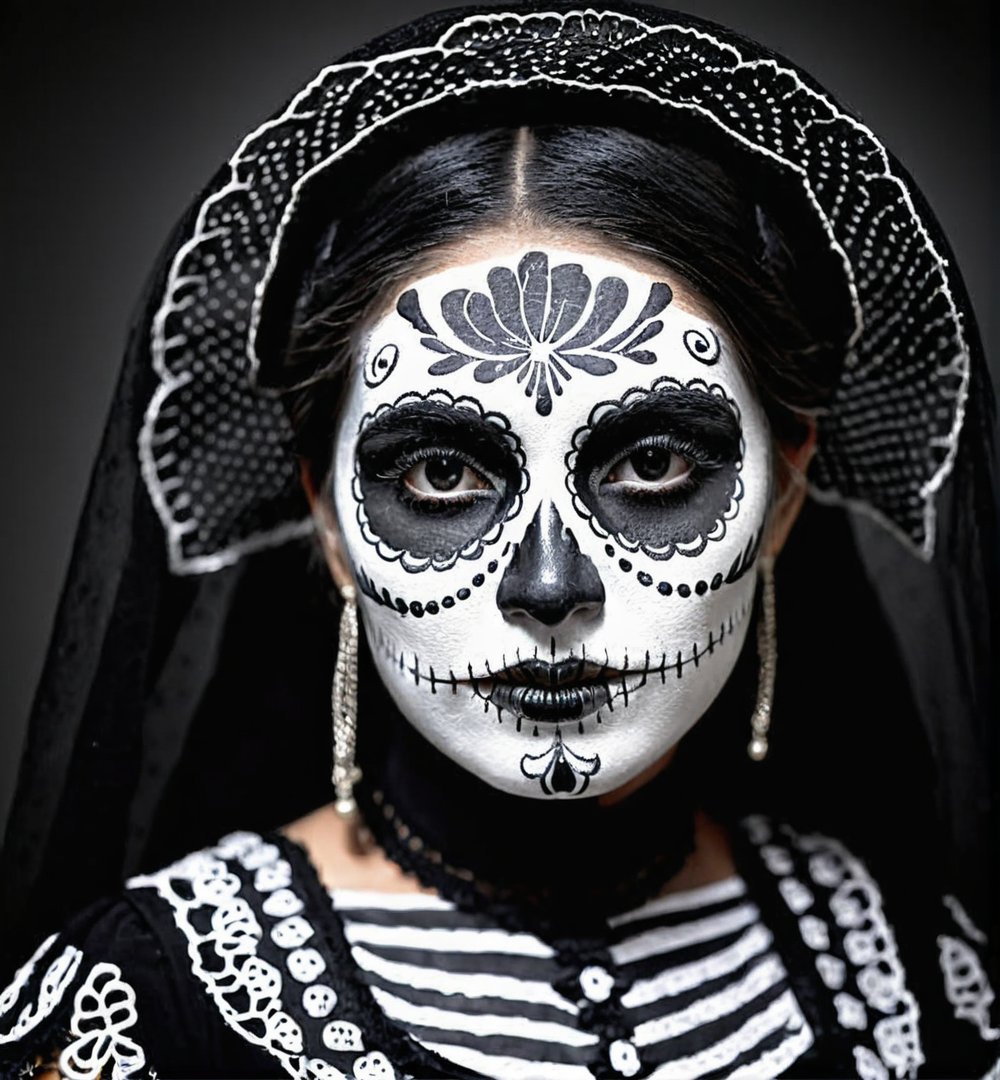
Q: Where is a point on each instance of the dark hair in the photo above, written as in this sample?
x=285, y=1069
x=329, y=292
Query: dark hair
x=664, y=201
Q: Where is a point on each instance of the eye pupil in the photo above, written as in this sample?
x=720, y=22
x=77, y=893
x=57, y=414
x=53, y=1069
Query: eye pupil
x=650, y=462
x=443, y=473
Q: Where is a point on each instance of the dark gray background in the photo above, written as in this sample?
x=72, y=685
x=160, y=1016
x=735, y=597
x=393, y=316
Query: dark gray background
x=115, y=114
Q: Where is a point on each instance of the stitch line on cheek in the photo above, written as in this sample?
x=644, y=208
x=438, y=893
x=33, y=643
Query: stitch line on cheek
x=620, y=687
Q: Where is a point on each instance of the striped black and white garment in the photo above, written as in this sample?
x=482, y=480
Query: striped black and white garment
x=692, y=977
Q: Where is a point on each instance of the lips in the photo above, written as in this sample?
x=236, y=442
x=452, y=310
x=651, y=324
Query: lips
x=540, y=691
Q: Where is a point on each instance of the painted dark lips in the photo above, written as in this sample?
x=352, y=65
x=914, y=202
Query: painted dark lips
x=542, y=691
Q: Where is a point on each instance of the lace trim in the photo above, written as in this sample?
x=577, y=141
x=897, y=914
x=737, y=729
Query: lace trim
x=224, y=934
x=891, y=264
x=966, y=985
x=864, y=939
x=102, y=1009
x=59, y=974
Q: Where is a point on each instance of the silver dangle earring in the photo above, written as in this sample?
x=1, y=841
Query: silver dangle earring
x=767, y=650
x=345, y=707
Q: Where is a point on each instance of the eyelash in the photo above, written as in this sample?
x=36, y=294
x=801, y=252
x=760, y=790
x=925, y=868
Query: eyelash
x=430, y=503
x=686, y=449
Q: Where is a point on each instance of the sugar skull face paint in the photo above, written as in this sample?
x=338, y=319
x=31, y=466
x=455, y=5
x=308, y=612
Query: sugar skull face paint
x=552, y=482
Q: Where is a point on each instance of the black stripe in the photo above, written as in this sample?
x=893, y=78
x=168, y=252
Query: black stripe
x=706, y=1035
x=674, y=918
x=535, y=1050
x=676, y=1002
x=423, y=920
x=536, y=968
x=658, y=962
x=751, y=1056
x=530, y=1010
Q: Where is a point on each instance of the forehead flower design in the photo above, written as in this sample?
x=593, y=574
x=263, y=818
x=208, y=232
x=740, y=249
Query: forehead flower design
x=539, y=323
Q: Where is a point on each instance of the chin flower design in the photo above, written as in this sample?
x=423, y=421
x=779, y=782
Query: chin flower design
x=559, y=769
x=539, y=324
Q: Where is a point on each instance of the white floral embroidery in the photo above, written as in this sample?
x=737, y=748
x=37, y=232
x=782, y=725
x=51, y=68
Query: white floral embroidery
x=815, y=932
x=373, y=1066
x=898, y=1042
x=850, y=1012
x=246, y=988
x=966, y=985
x=342, y=1035
x=797, y=896
x=870, y=946
x=868, y=1064
x=319, y=1000
x=102, y=1009
x=59, y=974
x=961, y=917
x=776, y=859
x=832, y=970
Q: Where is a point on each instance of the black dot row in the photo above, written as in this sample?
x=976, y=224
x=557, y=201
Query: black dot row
x=664, y=588
x=432, y=607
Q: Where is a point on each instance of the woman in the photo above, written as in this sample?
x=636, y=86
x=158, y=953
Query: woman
x=560, y=310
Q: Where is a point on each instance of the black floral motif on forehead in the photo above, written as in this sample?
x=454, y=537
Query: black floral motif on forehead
x=539, y=324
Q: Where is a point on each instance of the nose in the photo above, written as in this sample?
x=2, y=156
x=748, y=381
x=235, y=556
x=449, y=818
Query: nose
x=548, y=576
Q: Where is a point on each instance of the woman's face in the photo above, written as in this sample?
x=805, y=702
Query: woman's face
x=551, y=480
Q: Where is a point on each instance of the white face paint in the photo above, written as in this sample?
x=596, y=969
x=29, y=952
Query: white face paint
x=552, y=483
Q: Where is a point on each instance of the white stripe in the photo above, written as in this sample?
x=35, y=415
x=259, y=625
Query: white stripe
x=684, y=977
x=731, y=888
x=507, y=1068
x=663, y=939
x=444, y=940
x=775, y=1061
x=781, y=1012
x=345, y=899
x=518, y=1027
x=472, y=985
x=766, y=974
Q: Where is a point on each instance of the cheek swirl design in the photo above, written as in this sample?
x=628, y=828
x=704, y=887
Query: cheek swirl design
x=380, y=365
x=703, y=345
x=539, y=325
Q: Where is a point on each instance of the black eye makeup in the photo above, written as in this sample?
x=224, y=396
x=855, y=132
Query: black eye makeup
x=660, y=469
x=435, y=477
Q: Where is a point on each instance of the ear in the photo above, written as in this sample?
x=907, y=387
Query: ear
x=790, y=477
x=328, y=529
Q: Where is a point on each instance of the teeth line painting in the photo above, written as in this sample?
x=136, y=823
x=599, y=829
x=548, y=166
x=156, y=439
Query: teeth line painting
x=540, y=692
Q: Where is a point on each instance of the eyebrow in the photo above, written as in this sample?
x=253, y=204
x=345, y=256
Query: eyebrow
x=710, y=420
x=418, y=421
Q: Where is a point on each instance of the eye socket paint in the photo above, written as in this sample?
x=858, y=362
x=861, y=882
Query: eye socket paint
x=553, y=617
x=391, y=443
x=697, y=424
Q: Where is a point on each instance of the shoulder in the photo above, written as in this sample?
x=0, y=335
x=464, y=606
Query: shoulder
x=901, y=964
x=76, y=995
x=118, y=983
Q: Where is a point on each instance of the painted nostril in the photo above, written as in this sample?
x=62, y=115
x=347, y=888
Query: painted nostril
x=549, y=577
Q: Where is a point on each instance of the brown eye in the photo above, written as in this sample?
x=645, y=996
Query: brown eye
x=649, y=468
x=444, y=476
